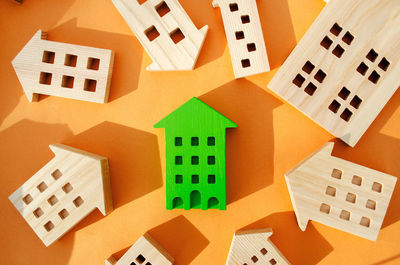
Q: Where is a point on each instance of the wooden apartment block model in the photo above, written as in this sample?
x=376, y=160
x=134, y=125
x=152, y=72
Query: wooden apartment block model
x=245, y=37
x=146, y=251
x=195, y=140
x=64, y=70
x=63, y=192
x=346, y=67
x=254, y=247
x=340, y=194
x=165, y=32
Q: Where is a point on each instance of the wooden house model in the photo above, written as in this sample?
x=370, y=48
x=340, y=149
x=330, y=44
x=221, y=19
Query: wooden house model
x=63, y=192
x=165, y=31
x=340, y=194
x=346, y=67
x=64, y=70
x=254, y=247
x=146, y=251
x=245, y=37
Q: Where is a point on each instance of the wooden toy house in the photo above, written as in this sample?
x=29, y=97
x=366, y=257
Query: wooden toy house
x=165, y=31
x=146, y=251
x=64, y=70
x=346, y=67
x=63, y=192
x=245, y=37
x=254, y=247
x=195, y=156
x=340, y=194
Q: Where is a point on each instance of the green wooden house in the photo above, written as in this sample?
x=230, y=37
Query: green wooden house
x=195, y=139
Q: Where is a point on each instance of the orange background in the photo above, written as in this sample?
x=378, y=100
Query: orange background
x=271, y=138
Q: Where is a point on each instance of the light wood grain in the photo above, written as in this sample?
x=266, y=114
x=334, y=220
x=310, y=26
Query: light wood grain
x=64, y=70
x=63, y=192
x=338, y=193
x=153, y=16
x=346, y=101
x=245, y=37
x=145, y=251
x=254, y=247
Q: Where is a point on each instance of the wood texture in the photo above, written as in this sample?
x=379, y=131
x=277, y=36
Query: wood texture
x=165, y=32
x=145, y=251
x=340, y=194
x=346, y=67
x=254, y=247
x=64, y=70
x=245, y=37
x=63, y=192
x=195, y=157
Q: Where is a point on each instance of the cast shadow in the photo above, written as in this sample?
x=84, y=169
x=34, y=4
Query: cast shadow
x=213, y=47
x=24, y=150
x=188, y=240
x=133, y=156
x=278, y=31
x=380, y=152
x=311, y=247
x=250, y=146
x=24, y=18
x=388, y=260
x=128, y=53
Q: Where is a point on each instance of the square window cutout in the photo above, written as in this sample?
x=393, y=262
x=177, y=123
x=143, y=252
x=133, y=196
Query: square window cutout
x=194, y=141
x=356, y=180
x=325, y=208
x=326, y=42
x=93, y=63
x=70, y=60
x=45, y=78
x=63, y=214
x=320, y=76
x=48, y=57
x=308, y=67
x=52, y=200
x=178, y=179
x=245, y=19
x=90, y=85
x=334, y=106
x=233, y=7
x=162, y=9
x=67, y=81
x=56, y=174
x=178, y=141
x=195, y=160
x=78, y=201
x=211, y=179
x=27, y=199
x=336, y=29
x=338, y=51
x=178, y=160
x=195, y=179
x=152, y=33
x=251, y=47
x=211, y=141
x=239, y=35
x=298, y=80
x=49, y=226
x=177, y=35
x=310, y=89
x=245, y=63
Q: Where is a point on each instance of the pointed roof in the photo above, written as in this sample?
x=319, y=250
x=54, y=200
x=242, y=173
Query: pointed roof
x=195, y=112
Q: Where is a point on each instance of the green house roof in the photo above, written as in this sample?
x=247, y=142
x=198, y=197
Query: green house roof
x=195, y=113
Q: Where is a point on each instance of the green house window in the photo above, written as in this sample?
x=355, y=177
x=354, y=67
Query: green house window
x=195, y=160
x=195, y=141
x=178, y=179
x=195, y=179
x=211, y=160
x=211, y=179
x=178, y=160
x=211, y=141
x=178, y=141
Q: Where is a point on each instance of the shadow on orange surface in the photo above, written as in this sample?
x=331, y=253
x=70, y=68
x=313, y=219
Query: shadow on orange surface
x=368, y=152
x=250, y=146
x=12, y=17
x=187, y=243
x=31, y=139
x=128, y=53
x=213, y=47
x=133, y=156
x=386, y=261
x=311, y=247
x=279, y=35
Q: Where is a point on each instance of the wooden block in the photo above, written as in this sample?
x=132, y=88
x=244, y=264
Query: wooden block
x=245, y=37
x=165, y=32
x=346, y=67
x=254, y=247
x=64, y=70
x=340, y=194
x=63, y=192
x=195, y=157
x=145, y=251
